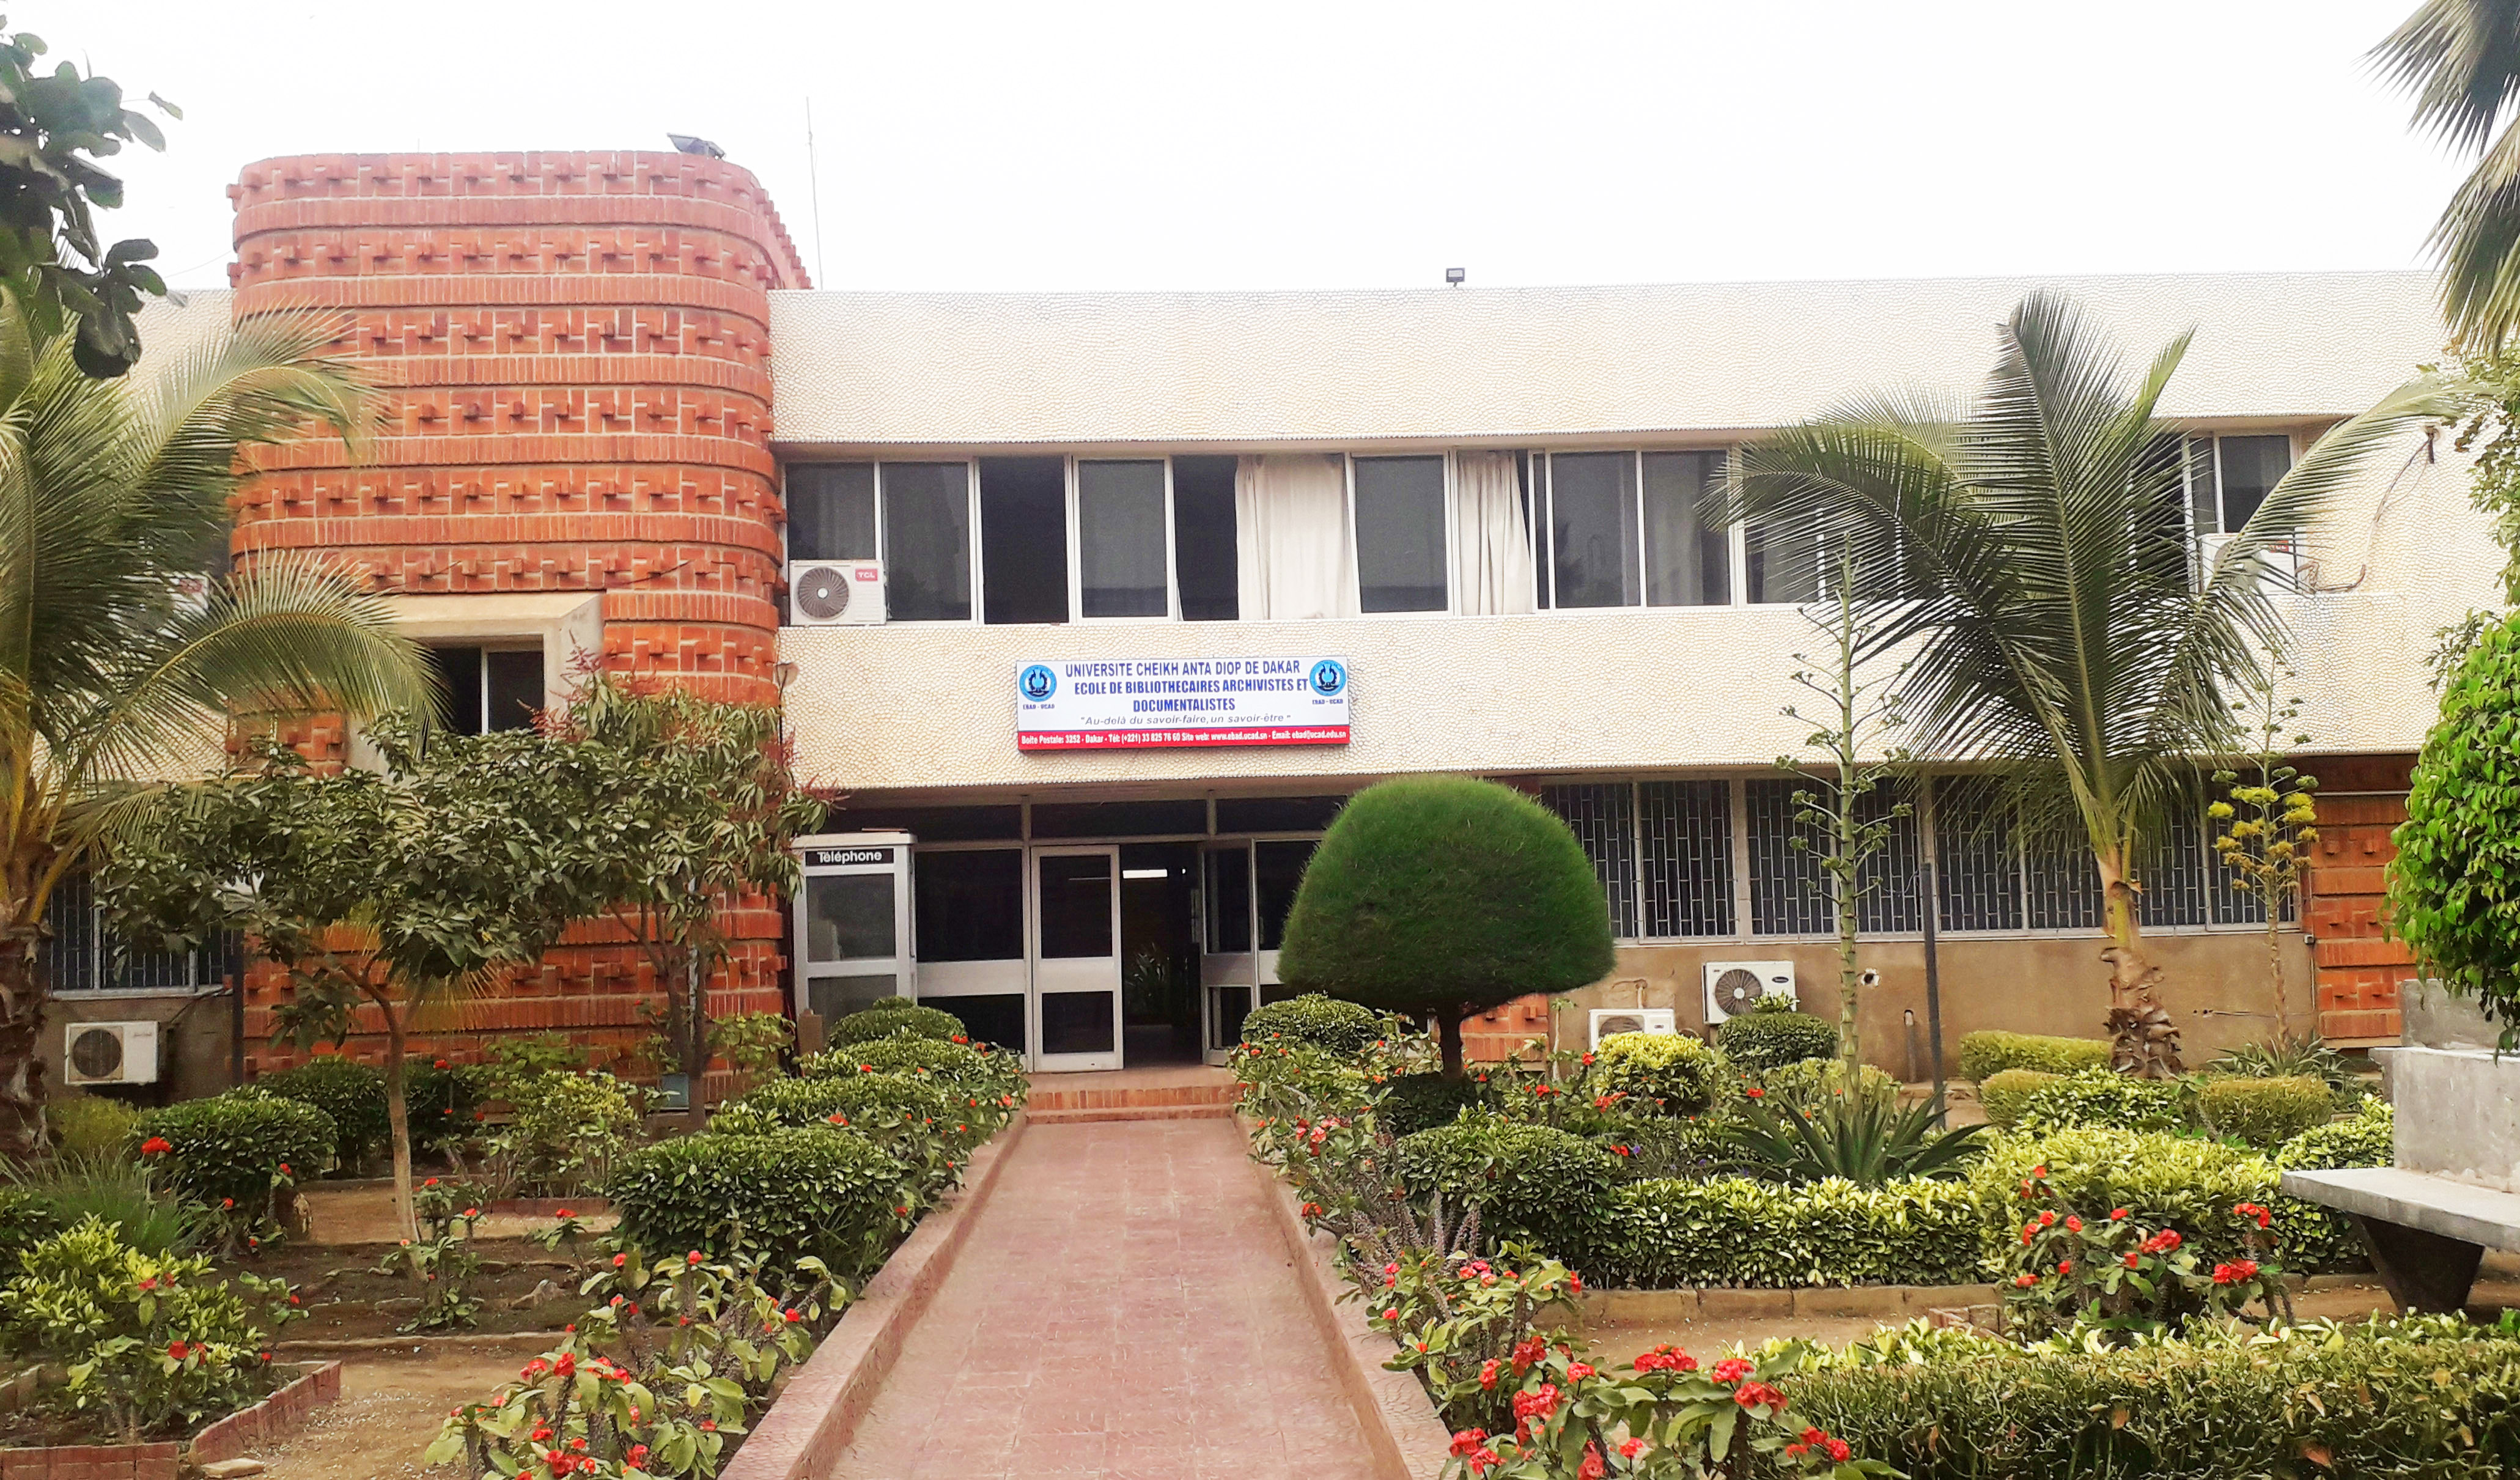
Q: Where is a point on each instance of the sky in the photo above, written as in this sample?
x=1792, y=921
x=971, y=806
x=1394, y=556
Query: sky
x=1367, y=143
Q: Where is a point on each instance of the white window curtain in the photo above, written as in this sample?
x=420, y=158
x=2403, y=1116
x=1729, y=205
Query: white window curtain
x=1492, y=569
x=1294, y=555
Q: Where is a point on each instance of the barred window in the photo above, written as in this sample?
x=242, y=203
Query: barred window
x=1686, y=830
x=2064, y=882
x=82, y=956
x=1978, y=852
x=1790, y=890
x=1604, y=821
x=2172, y=870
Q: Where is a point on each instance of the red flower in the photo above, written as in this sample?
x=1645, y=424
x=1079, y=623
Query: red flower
x=1575, y=1283
x=566, y=1365
x=2237, y=1271
x=693, y=1257
x=1755, y=1093
x=2040, y=1170
x=1731, y=1369
x=2047, y=1220
x=1631, y=1448
x=1528, y=1352
x=1757, y=1394
x=1469, y=1440
x=2064, y=1265
x=441, y=1063
x=431, y=1183
x=178, y=1350
x=2162, y=1242
x=2073, y=1225
x=1593, y=1467
x=2118, y=1214
x=2024, y=1281
x=156, y=1145
x=1579, y=1371
x=618, y=1260
x=709, y=1425
x=2134, y=1260
x=149, y=1283
x=283, y=1169
x=563, y=1212
x=1839, y=1449
x=1488, y=1374
x=2252, y=1210
x=637, y=1454
x=1536, y=1405
x=1392, y=1314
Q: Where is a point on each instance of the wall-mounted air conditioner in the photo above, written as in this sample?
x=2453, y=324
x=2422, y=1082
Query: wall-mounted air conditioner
x=1609, y=1020
x=110, y=1052
x=836, y=593
x=1735, y=987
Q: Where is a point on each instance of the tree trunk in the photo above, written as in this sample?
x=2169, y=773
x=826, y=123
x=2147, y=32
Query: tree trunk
x=1448, y=1031
x=1850, y=970
x=398, y=1118
x=2275, y=969
x=2143, y=1036
x=695, y=1021
x=22, y=1027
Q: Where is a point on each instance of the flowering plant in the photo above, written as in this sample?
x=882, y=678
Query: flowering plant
x=1464, y=1325
x=441, y=1261
x=2105, y=1272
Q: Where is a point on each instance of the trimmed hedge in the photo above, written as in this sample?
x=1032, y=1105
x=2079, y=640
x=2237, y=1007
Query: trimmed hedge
x=2360, y=1402
x=1325, y=1022
x=2263, y=1112
x=979, y=1072
x=354, y=1093
x=1736, y=1231
x=2167, y=1181
x=1536, y=1184
x=893, y=1016
x=812, y=1103
x=1983, y=1056
x=2007, y=1093
x=2319, y=1236
x=1760, y=1041
x=2102, y=1098
x=826, y=1192
x=1670, y=1073
x=1412, y=1103
x=233, y=1145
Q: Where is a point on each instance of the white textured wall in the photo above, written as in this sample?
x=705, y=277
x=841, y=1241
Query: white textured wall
x=974, y=369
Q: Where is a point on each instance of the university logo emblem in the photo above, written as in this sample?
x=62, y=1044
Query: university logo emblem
x=1037, y=683
x=1328, y=678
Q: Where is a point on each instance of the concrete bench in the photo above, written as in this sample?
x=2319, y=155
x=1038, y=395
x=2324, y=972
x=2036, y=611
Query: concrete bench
x=2426, y=1233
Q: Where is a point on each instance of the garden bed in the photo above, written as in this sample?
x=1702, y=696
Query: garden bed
x=56, y=1456
x=345, y=1299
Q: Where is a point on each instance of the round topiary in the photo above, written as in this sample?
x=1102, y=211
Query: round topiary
x=991, y=1077
x=894, y=1018
x=1534, y=1183
x=828, y=1193
x=351, y=1093
x=233, y=1145
x=1412, y=1103
x=2103, y=1097
x=1983, y=1056
x=854, y=1097
x=1446, y=896
x=1325, y=1022
x=2454, y=887
x=1660, y=1073
x=2263, y=1112
x=1768, y=1037
x=2005, y=1092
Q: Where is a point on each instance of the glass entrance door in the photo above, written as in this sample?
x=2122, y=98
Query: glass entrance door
x=1227, y=967
x=1076, y=958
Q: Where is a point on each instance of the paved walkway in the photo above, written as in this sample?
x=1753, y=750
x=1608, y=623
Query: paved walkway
x=1123, y=1309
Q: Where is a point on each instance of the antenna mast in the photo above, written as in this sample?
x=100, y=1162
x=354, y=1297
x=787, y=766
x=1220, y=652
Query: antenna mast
x=814, y=174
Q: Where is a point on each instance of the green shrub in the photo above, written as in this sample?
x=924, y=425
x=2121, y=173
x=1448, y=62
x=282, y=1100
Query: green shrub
x=2102, y=1098
x=26, y=1219
x=1666, y=1073
x=829, y=1193
x=2007, y=1093
x=893, y=1016
x=2363, y=1401
x=990, y=1081
x=89, y=1125
x=1533, y=1183
x=2320, y=1238
x=1983, y=1056
x=1737, y=1231
x=232, y=1147
x=353, y=1093
x=564, y=1132
x=1811, y=1083
x=2456, y=882
x=443, y=1104
x=1325, y=1022
x=813, y=1102
x=1413, y=1102
x=2164, y=1180
x=65, y=1191
x=2263, y=1112
x=1771, y=1037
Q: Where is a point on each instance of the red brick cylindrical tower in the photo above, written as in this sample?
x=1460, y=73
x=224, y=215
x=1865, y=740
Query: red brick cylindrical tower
x=574, y=351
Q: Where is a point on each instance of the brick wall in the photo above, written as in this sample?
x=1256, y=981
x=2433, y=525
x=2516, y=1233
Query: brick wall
x=574, y=356
x=2361, y=799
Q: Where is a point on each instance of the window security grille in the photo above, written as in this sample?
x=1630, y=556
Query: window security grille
x=1685, y=831
x=1603, y=819
x=1790, y=890
x=1977, y=857
x=83, y=957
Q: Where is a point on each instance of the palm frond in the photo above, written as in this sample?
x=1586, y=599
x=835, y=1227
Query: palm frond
x=2462, y=59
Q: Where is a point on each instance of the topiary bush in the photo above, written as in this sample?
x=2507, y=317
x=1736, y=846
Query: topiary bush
x=1983, y=1056
x=893, y=1016
x=986, y=1082
x=1413, y=1102
x=2455, y=885
x=1812, y=1082
x=2007, y=1093
x=1769, y=1037
x=229, y=1151
x=1443, y=895
x=813, y=1102
x=1534, y=1183
x=1325, y=1022
x=2162, y=1180
x=2313, y=1235
x=1665, y=1073
x=829, y=1192
x=2100, y=1097
x=354, y=1093
x=2263, y=1112
x=1737, y=1231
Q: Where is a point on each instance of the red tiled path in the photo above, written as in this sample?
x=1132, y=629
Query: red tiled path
x=1124, y=1309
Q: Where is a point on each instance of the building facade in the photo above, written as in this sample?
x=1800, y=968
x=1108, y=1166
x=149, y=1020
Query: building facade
x=1093, y=608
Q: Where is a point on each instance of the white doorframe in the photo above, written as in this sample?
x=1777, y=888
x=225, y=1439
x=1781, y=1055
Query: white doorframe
x=1074, y=974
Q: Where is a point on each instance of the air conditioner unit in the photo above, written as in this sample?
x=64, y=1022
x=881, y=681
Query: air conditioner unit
x=836, y=593
x=110, y=1052
x=1609, y=1020
x=1735, y=987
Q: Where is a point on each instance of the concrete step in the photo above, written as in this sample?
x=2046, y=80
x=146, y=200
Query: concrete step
x=1051, y=1097
x=1040, y=1116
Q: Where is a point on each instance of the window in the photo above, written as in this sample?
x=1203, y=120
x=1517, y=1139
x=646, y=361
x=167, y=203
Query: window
x=926, y=541
x=1276, y=870
x=1685, y=831
x=1593, y=529
x=1277, y=814
x=489, y=688
x=83, y=956
x=1121, y=556
x=1791, y=894
x=831, y=511
x=1603, y=819
x=2250, y=467
x=1229, y=899
x=1977, y=855
x=1400, y=546
x=969, y=904
x=1688, y=563
x=1023, y=539
x=1205, y=553
x=1780, y=565
x=1997, y=875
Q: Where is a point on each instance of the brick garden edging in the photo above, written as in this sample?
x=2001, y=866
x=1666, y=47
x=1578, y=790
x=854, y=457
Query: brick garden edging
x=803, y=1432
x=272, y=1420
x=1401, y=1427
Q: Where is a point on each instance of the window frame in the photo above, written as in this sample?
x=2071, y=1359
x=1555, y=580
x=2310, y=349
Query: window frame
x=1076, y=547
x=971, y=466
x=1450, y=562
x=1543, y=491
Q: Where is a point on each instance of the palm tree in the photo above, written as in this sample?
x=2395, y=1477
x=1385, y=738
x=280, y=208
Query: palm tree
x=2029, y=553
x=115, y=667
x=2461, y=61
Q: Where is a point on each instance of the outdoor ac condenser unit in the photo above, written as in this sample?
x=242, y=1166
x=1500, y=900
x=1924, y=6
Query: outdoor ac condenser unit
x=836, y=593
x=110, y=1052
x=1735, y=987
x=1609, y=1020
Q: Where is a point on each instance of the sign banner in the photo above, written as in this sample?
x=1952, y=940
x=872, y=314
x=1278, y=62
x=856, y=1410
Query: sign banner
x=1166, y=703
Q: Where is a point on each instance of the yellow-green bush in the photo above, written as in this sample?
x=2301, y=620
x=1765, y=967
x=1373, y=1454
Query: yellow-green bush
x=1671, y=1073
x=1983, y=1056
x=2263, y=1112
x=89, y=1125
x=2007, y=1093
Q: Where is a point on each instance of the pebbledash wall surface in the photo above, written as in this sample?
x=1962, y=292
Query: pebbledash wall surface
x=603, y=372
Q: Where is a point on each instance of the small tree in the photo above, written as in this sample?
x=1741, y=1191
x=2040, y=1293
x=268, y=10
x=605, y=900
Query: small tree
x=2455, y=885
x=1446, y=896
x=389, y=891
x=1860, y=710
x=2268, y=823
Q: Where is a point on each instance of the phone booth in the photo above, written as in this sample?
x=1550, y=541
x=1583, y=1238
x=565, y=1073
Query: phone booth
x=852, y=922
